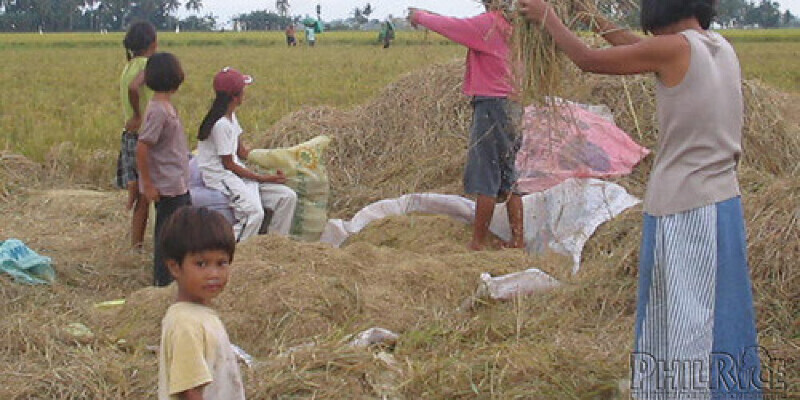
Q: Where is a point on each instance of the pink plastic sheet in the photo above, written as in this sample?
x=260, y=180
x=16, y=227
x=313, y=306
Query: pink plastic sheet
x=569, y=141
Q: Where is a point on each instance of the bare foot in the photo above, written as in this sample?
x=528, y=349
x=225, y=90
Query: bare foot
x=137, y=248
x=512, y=245
x=474, y=246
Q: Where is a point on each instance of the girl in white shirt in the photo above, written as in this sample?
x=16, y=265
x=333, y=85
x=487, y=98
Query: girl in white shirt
x=220, y=152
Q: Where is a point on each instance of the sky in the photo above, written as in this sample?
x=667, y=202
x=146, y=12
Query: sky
x=791, y=5
x=340, y=9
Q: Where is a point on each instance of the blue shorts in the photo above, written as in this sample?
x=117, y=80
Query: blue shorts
x=493, y=145
x=126, y=162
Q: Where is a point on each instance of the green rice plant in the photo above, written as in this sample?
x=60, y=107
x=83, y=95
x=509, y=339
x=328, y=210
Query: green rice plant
x=762, y=35
x=775, y=63
x=172, y=39
x=62, y=102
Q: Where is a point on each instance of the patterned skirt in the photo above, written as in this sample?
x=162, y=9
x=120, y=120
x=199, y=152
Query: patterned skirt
x=695, y=323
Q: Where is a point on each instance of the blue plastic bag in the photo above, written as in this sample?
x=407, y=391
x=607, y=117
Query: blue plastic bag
x=17, y=260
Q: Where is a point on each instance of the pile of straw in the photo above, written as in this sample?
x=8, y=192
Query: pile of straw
x=16, y=171
x=293, y=306
x=424, y=117
x=444, y=235
x=421, y=117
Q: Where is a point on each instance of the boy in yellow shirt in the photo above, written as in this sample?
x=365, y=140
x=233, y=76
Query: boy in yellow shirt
x=195, y=359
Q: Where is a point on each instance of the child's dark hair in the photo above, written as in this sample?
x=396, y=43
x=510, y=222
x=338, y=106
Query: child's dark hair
x=218, y=109
x=193, y=230
x=163, y=72
x=140, y=36
x=657, y=14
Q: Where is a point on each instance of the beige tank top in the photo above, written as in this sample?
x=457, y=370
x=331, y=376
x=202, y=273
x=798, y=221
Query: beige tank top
x=700, y=131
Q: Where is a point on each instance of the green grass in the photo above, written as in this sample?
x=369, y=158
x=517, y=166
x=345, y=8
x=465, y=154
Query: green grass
x=770, y=55
x=53, y=93
x=777, y=64
x=762, y=35
x=171, y=39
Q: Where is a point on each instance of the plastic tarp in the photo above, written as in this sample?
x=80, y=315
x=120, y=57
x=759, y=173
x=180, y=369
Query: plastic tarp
x=571, y=140
x=561, y=218
x=22, y=263
x=521, y=283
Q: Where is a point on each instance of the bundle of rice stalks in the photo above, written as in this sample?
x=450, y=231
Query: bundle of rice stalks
x=539, y=65
x=540, y=68
x=771, y=144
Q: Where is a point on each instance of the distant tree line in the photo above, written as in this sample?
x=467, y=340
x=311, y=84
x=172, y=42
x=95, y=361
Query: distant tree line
x=730, y=14
x=264, y=20
x=114, y=15
x=765, y=14
x=85, y=15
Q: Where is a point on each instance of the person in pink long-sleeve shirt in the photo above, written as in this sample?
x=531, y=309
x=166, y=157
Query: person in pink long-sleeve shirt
x=494, y=141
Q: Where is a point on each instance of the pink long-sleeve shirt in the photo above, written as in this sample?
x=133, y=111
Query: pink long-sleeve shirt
x=486, y=36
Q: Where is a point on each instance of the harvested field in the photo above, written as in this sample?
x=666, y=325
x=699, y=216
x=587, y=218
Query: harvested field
x=293, y=306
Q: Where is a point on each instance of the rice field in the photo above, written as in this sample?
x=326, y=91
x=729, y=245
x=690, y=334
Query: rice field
x=63, y=87
x=763, y=35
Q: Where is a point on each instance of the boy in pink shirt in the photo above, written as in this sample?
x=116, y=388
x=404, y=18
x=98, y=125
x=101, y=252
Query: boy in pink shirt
x=494, y=141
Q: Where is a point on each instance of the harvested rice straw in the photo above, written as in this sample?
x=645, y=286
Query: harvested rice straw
x=539, y=65
x=540, y=68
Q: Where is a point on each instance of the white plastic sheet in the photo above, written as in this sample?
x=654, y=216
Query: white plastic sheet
x=373, y=336
x=561, y=218
x=522, y=283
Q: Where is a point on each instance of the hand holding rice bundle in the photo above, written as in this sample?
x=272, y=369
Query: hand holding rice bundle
x=539, y=66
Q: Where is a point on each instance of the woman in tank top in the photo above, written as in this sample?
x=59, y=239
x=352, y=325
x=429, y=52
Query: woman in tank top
x=695, y=304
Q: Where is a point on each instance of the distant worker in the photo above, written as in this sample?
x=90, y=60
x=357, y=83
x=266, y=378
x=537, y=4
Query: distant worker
x=291, y=38
x=387, y=32
x=311, y=37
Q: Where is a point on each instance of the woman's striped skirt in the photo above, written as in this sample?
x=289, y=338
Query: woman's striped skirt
x=695, y=324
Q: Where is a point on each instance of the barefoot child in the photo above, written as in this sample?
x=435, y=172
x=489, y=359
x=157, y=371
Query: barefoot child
x=162, y=153
x=490, y=173
x=195, y=359
x=140, y=43
x=291, y=36
x=219, y=155
x=695, y=301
